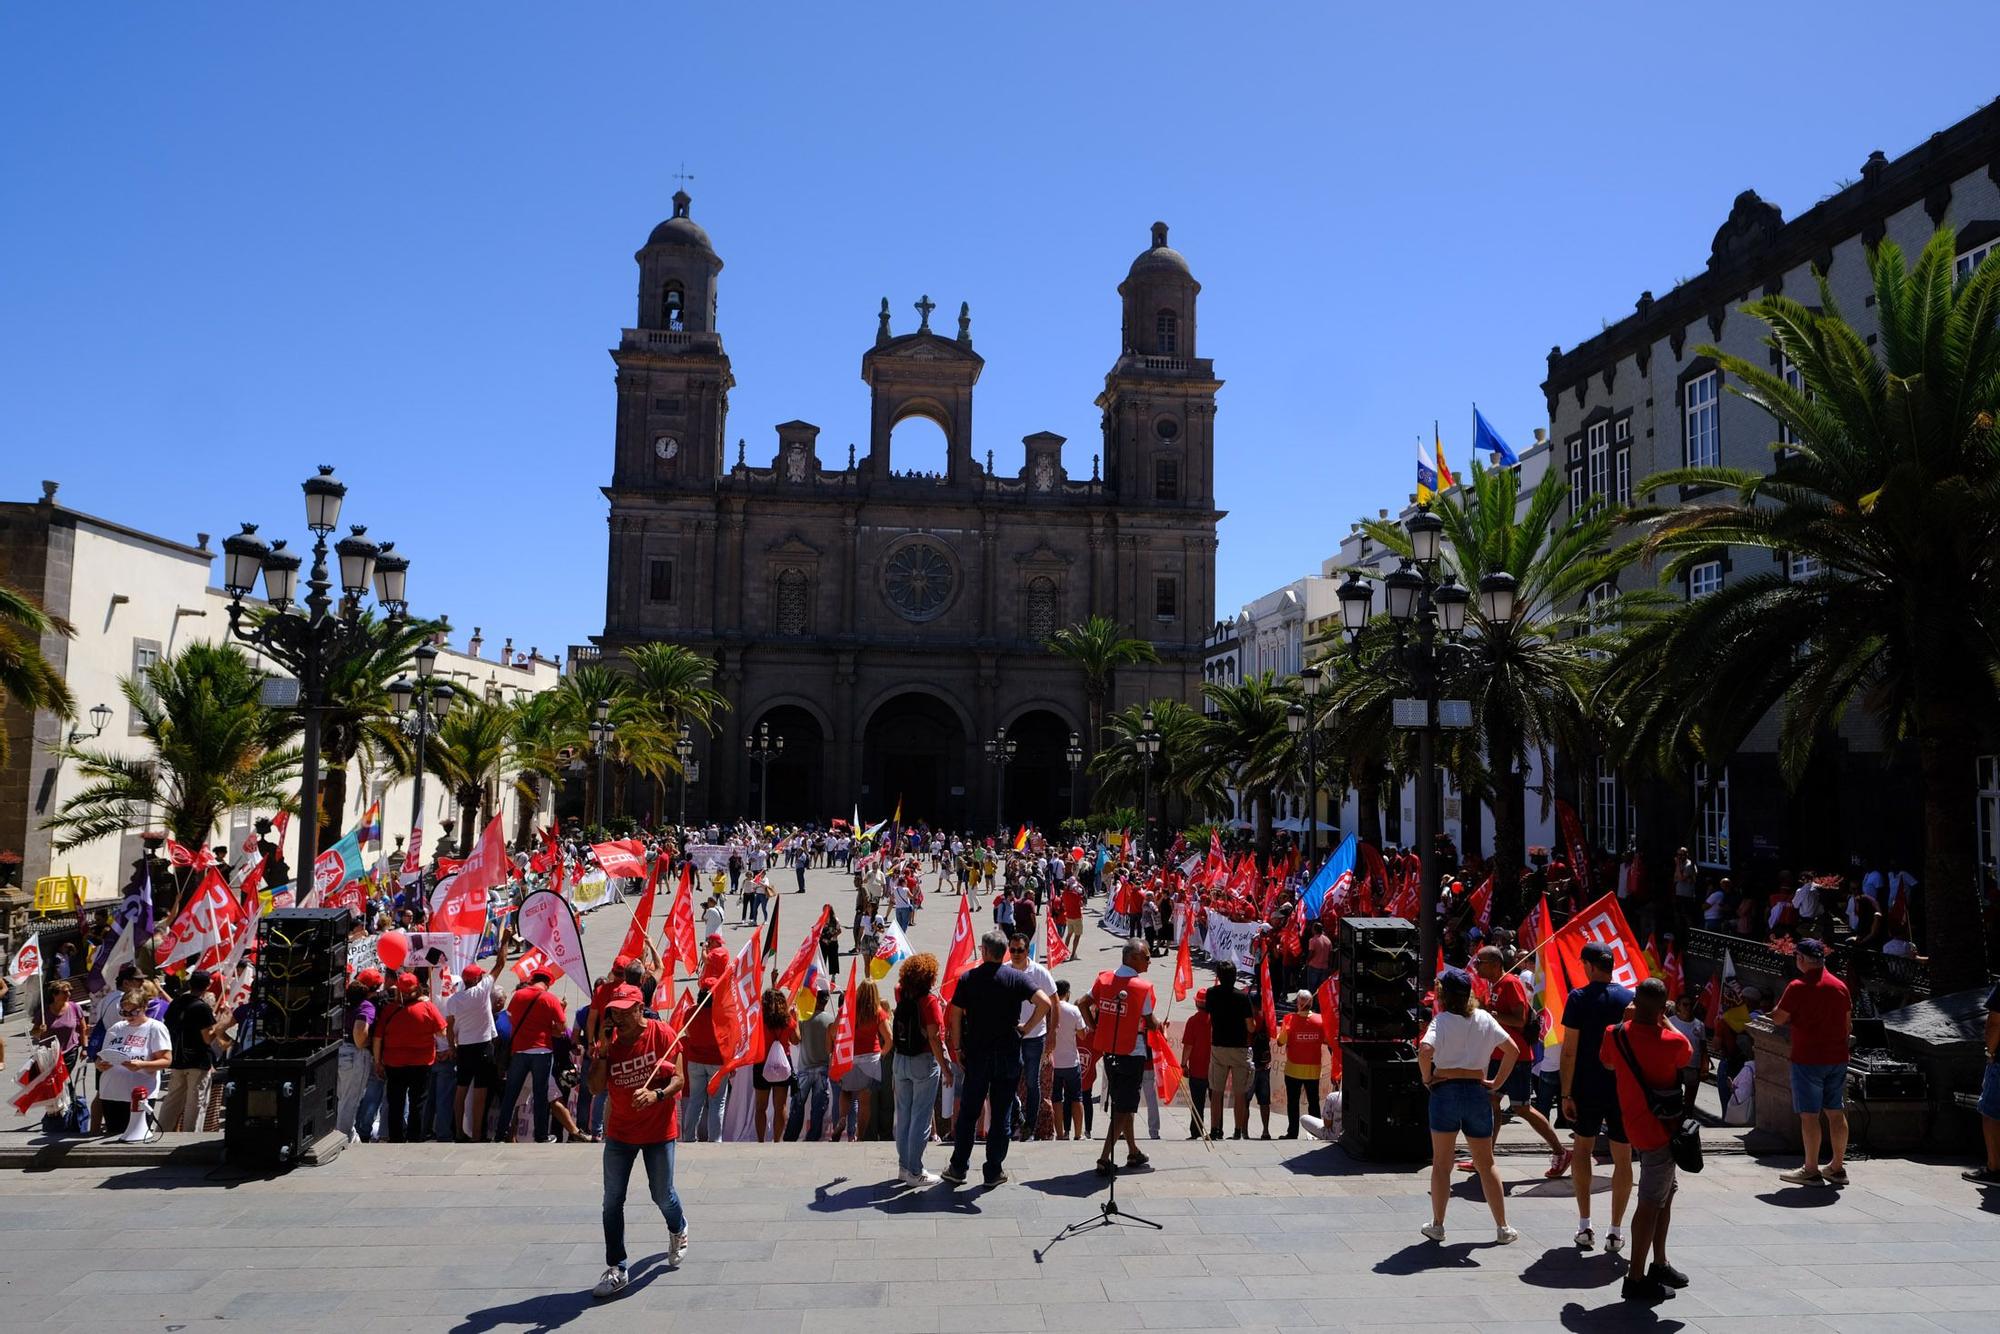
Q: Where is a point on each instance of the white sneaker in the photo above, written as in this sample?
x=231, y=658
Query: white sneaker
x=1585, y=1239
x=1435, y=1231
x=1506, y=1236
x=614, y=1281
x=677, y=1244
x=925, y=1179
x=1614, y=1242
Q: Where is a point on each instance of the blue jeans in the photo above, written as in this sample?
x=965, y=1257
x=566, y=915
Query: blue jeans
x=990, y=1078
x=367, y=1115
x=532, y=1068
x=813, y=1086
x=618, y=1159
x=1031, y=1098
x=444, y=1084
x=701, y=1115
x=916, y=1098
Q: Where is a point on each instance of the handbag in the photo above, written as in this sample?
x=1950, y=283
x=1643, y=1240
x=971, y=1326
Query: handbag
x=1685, y=1145
x=777, y=1063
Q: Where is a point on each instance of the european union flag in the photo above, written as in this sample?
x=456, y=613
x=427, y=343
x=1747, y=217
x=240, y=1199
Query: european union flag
x=1487, y=440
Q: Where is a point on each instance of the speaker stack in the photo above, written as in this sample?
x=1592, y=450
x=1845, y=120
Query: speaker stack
x=282, y=1094
x=1384, y=1108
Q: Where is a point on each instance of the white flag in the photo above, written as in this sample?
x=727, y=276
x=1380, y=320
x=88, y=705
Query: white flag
x=27, y=960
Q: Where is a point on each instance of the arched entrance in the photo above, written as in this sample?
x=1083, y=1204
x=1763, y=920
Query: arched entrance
x=914, y=751
x=1038, y=778
x=795, y=776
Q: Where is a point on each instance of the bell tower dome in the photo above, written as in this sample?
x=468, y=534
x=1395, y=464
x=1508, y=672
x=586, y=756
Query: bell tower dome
x=677, y=268
x=1159, y=293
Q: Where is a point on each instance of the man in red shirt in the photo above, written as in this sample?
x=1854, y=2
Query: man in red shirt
x=1509, y=1004
x=1658, y=1051
x=1194, y=1060
x=1817, y=1007
x=643, y=1071
x=536, y=1016
x=405, y=1050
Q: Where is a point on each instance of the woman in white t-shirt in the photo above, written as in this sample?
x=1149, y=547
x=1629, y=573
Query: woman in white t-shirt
x=135, y=1050
x=1453, y=1057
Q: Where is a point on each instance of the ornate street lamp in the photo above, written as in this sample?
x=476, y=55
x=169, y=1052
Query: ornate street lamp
x=999, y=753
x=761, y=750
x=600, y=744
x=1149, y=750
x=313, y=642
x=1075, y=757
x=684, y=752
x=421, y=704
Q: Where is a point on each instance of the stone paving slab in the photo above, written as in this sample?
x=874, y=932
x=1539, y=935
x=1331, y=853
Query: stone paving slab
x=816, y=1240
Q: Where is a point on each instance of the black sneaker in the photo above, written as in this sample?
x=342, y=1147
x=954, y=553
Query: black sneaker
x=954, y=1174
x=996, y=1178
x=1649, y=1291
x=1667, y=1274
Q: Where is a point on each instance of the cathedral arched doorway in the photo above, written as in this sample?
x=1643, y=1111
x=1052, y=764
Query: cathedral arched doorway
x=1038, y=778
x=913, y=751
x=796, y=775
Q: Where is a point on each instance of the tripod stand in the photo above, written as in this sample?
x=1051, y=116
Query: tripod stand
x=1108, y=1215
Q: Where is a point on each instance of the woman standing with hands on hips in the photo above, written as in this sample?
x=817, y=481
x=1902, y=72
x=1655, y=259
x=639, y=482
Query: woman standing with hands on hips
x=1453, y=1058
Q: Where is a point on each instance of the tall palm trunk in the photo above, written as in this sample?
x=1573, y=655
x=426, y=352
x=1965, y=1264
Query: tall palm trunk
x=526, y=811
x=468, y=818
x=1262, y=799
x=1948, y=748
x=1368, y=803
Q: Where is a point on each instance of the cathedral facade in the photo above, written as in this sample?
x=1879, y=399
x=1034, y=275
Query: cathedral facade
x=887, y=625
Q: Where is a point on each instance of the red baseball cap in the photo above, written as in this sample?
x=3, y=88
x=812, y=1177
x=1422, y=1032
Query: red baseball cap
x=624, y=996
x=369, y=977
x=407, y=983
x=473, y=974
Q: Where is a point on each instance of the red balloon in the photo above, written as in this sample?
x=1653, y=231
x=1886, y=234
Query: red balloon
x=392, y=948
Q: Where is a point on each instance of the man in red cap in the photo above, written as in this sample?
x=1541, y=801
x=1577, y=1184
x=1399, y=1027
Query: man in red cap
x=537, y=1016
x=405, y=1051
x=472, y=1028
x=643, y=1073
x=704, y=1053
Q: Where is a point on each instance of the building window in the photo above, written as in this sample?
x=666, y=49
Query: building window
x=1042, y=607
x=1799, y=568
x=1797, y=381
x=1711, y=799
x=1621, y=475
x=1704, y=579
x=1597, y=448
x=1166, y=479
x=670, y=307
x=1166, y=332
x=1166, y=598
x=660, y=581
x=145, y=657
x=1966, y=264
x=1989, y=811
x=1607, y=804
x=1576, y=492
x=1601, y=602
x=794, y=602
x=1701, y=424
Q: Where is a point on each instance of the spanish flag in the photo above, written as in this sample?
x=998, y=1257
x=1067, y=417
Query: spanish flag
x=1021, y=839
x=1444, y=474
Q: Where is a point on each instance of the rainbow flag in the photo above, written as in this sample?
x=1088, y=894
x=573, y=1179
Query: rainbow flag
x=371, y=824
x=1021, y=839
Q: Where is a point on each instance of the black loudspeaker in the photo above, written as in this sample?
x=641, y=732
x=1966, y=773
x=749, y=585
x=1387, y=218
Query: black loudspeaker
x=1384, y=1108
x=279, y=1098
x=1379, y=990
x=301, y=975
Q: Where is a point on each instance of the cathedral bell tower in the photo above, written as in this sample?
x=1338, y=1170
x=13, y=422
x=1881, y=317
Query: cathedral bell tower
x=1159, y=398
x=673, y=375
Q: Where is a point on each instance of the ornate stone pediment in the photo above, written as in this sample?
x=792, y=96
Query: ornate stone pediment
x=1044, y=556
x=793, y=546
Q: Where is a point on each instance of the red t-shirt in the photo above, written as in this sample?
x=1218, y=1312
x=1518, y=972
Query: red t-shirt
x=867, y=1034
x=1073, y=904
x=1195, y=1042
x=1510, y=992
x=1662, y=1053
x=1819, y=1013
x=537, y=1017
x=1305, y=1040
x=408, y=1033
x=629, y=1067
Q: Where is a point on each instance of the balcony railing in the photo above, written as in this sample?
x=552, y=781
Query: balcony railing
x=678, y=340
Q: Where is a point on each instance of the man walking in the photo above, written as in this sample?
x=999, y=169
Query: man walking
x=643, y=1075
x=1590, y=1095
x=1816, y=1006
x=1649, y=1053
x=1034, y=1035
x=986, y=1028
x=1119, y=1010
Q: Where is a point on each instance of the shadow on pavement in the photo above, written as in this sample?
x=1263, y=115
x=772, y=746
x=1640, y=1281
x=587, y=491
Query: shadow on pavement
x=185, y=1178
x=1801, y=1197
x=893, y=1197
x=1616, y=1319
x=539, y=1315
x=1567, y=1267
x=1421, y=1257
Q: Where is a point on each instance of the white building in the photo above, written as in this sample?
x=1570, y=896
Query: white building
x=132, y=599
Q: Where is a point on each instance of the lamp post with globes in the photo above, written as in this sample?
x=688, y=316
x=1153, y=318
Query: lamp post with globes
x=761, y=749
x=1427, y=611
x=684, y=752
x=314, y=641
x=600, y=745
x=1075, y=757
x=1149, y=752
x=1000, y=753
x=421, y=705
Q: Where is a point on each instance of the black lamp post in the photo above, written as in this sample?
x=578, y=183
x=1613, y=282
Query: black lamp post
x=1075, y=757
x=600, y=745
x=1149, y=750
x=421, y=705
x=1428, y=614
x=684, y=752
x=314, y=642
x=761, y=750
x=1311, y=681
x=999, y=752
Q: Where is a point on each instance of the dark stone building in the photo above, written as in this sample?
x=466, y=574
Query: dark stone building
x=886, y=624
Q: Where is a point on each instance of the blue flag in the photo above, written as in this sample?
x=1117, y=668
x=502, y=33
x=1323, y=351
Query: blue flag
x=1487, y=440
x=1336, y=876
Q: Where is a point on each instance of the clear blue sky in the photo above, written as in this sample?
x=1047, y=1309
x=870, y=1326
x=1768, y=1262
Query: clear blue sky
x=237, y=241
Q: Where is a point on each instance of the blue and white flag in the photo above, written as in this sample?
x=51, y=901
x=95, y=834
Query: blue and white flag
x=1487, y=440
x=1336, y=877
x=131, y=923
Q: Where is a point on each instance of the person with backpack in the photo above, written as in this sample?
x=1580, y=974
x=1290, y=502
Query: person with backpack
x=1646, y=1055
x=917, y=1034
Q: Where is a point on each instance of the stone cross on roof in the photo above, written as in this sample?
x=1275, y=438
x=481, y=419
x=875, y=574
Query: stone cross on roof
x=924, y=308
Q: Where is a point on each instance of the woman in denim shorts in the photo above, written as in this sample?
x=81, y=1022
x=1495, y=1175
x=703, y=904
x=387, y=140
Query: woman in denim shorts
x=1453, y=1058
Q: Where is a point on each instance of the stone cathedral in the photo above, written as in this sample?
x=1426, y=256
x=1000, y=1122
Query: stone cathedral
x=887, y=624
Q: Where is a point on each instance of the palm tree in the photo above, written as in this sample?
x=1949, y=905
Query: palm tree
x=471, y=752
x=640, y=740
x=1890, y=484
x=1099, y=646
x=213, y=747
x=27, y=677
x=540, y=743
x=1186, y=784
x=358, y=718
x=675, y=681
x=1530, y=681
x=1247, y=745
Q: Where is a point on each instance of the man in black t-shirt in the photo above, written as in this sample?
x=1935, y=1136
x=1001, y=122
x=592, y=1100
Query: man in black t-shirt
x=192, y=1025
x=985, y=1024
x=1228, y=1049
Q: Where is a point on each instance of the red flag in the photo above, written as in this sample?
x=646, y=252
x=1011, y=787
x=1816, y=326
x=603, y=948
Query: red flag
x=1535, y=927
x=1603, y=922
x=1183, y=961
x=677, y=938
x=1329, y=1017
x=534, y=961
x=642, y=916
x=1711, y=1003
x=683, y=1009
x=840, y=1058
x=1374, y=881
x=746, y=998
x=962, y=943
x=1267, y=1012
x=207, y=928
x=1671, y=974
x=1580, y=861
x=1056, y=947
x=622, y=857
x=200, y=859
x=1166, y=1070
x=794, y=975
x=461, y=904
x=39, y=1086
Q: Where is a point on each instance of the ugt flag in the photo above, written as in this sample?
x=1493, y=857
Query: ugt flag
x=1336, y=878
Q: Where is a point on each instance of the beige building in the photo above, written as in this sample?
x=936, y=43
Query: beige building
x=132, y=599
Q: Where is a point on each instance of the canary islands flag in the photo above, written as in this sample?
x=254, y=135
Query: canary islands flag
x=1427, y=478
